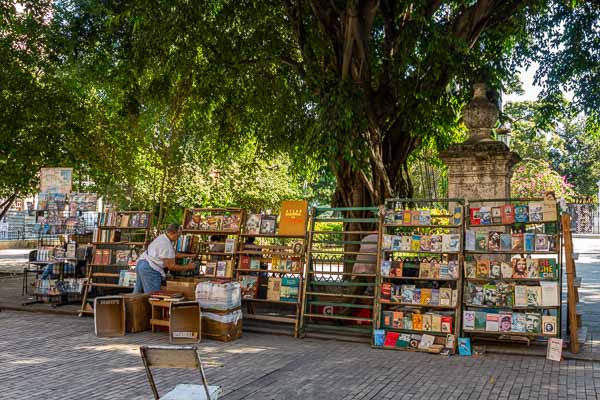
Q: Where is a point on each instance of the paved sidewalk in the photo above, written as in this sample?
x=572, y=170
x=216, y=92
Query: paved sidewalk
x=58, y=357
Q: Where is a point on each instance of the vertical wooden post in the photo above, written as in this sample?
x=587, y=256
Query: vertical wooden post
x=571, y=290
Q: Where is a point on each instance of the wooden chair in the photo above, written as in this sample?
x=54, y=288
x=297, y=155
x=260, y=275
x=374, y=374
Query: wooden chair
x=178, y=357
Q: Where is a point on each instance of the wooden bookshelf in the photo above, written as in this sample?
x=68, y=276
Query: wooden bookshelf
x=436, y=272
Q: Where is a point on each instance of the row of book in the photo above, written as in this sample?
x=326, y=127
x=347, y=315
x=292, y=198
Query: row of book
x=429, y=322
x=274, y=263
x=500, y=241
x=533, y=211
x=227, y=222
x=113, y=219
x=104, y=236
x=54, y=287
x=45, y=253
x=410, y=294
x=415, y=342
x=261, y=224
x=218, y=269
x=420, y=268
x=427, y=243
x=278, y=289
x=127, y=278
x=502, y=294
x=515, y=322
x=118, y=257
x=517, y=268
x=421, y=217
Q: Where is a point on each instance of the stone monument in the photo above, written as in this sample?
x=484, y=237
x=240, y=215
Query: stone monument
x=479, y=168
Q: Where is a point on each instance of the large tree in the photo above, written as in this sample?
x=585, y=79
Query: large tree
x=356, y=84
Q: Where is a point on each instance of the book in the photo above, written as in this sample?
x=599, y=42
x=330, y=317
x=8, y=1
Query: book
x=529, y=242
x=474, y=216
x=378, y=337
x=211, y=268
x=405, y=242
x=386, y=243
x=508, y=214
x=521, y=213
x=417, y=322
x=549, y=294
x=426, y=296
x=289, y=289
x=480, y=320
x=536, y=211
x=274, y=289
x=121, y=257
x=517, y=242
x=452, y=269
x=453, y=244
x=255, y=263
x=397, y=319
x=483, y=269
x=475, y=294
x=434, y=269
x=549, y=325
x=505, y=242
x=390, y=339
x=470, y=269
x=386, y=291
x=386, y=266
x=427, y=322
x=494, y=241
x=457, y=216
x=416, y=296
x=244, y=261
x=505, y=322
x=481, y=241
x=221, y=269
x=532, y=268
x=519, y=322
x=495, y=270
x=249, y=286
x=534, y=296
x=407, y=321
x=469, y=320
x=253, y=224
x=436, y=322
x=549, y=207
x=454, y=298
x=293, y=216
x=554, y=351
x=519, y=268
x=485, y=215
x=127, y=278
x=520, y=296
x=447, y=324
x=395, y=242
x=403, y=341
x=506, y=270
x=425, y=243
x=396, y=268
x=408, y=293
x=406, y=217
x=470, y=240
x=425, y=217
x=275, y=263
x=496, y=215
x=425, y=270
x=542, y=242
x=492, y=322
x=415, y=244
x=464, y=346
x=532, y=322
x=414, y=342
x=547, y=268
x=436, y=243
x=445, y=296
x=231, y=222
x=426, y=342
x=505, y=293
x=396, y=293
x=215, y=222
x=490, y=294
x=230, y=246
x=268, y=224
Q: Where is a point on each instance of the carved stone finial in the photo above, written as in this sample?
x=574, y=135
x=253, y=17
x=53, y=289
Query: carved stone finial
x=480, y=115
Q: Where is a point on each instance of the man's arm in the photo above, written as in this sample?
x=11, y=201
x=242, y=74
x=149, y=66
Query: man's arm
x=170, y=265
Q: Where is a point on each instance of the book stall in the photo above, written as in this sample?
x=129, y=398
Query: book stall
x=119, y=239
x=63, y=228
x=271, y=267
x=513, y=270
x=419, y=281
x=343, y=252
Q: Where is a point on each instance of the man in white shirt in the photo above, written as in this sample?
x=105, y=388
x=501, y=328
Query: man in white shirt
x=160, y=255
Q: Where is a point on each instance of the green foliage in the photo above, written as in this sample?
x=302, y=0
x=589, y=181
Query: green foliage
x=533, y=178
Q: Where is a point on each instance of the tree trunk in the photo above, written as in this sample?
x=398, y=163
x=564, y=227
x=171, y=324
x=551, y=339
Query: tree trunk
x=5, y=206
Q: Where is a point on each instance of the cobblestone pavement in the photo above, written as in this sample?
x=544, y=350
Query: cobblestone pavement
x=58, y=357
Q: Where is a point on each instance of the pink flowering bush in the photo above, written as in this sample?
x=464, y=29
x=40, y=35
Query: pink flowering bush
x=532, y=178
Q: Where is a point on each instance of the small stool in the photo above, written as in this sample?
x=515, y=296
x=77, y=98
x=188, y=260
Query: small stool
x=160, y=314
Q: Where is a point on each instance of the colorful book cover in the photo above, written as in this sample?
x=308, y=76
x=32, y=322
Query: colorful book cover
x=386, y=266
x=403, y=341
x=483, y=269
x=415, y=244
x=396, y=293
x=532, y=268
x=549, y=207
x=505, y=242
x=386, y=291
x=474, y=216
x=521, y=213
x=529, y=242
x=492, y=322
x=470, y=269
x=436, y=322
x=405, y=242
x=445, y=296
x=505, y=292
x=480, y=320
x=389, y=218
x=434, y=269
x=268, y=224
x=536, y=211
x=470, y=240
x=427, y=322
x=415, y=217
x=378, y=337
x=426, y=296
x=407, y=217
x=505, y=322
x=390, y=339
x=231, y=222
x=408, y=292
x=469, y=320
x=293, y=216
x=495, y=270
x=436, y=243
x=416, y=296
x=464, y=346
x=519, y=322
x=497, y=215
x=490, y=294
x=425, y=270
x=519, y=268
x=549, y=325
x=485, y=214
x=425, y=243
x=517, y=242
x=494, y=241
x=425, y=217
x=457, y=216
x=508, y=214
x=417, y=321
x=542, y=243
x=481, y=241
x=396, y=242
x=452, y=269
x=447, y=324
x=533, y=322
x=534, y=296
x=547, y=268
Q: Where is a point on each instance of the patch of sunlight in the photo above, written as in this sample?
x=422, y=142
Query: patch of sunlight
x=242, y=350
x=30, y=361
x=127, y=369
x=126, y=348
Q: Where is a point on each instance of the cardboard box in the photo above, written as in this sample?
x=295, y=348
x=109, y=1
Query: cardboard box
x=137, y=312
x=185, y=322
x=222, y=326
x=188, y=288
x=109, y=316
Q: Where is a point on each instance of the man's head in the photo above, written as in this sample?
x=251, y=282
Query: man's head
x=172, y=232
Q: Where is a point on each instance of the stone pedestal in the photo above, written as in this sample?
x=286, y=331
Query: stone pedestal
x=480, y=170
